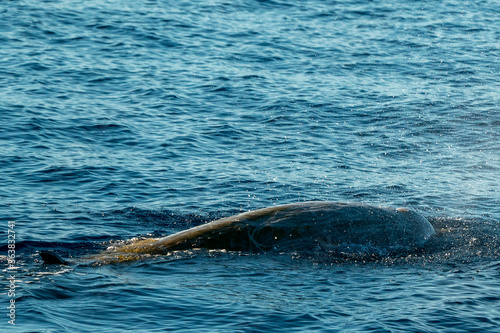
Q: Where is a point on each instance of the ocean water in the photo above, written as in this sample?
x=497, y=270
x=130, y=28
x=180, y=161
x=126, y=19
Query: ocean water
x=126, y=119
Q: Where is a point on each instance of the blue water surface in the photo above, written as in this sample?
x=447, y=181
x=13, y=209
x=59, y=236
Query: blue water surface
x=136, y=118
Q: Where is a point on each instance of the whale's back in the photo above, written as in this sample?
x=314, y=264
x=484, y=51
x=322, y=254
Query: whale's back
x=300, y=227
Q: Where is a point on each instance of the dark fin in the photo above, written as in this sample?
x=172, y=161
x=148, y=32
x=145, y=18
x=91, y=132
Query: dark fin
x=51, y=258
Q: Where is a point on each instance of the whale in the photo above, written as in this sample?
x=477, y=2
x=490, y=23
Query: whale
x=296, y=227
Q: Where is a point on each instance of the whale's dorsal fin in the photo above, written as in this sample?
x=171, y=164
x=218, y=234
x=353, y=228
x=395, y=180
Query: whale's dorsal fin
x=51, y=258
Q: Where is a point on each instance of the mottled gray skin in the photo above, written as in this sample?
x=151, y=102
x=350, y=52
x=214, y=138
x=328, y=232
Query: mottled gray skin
x=299, y=227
